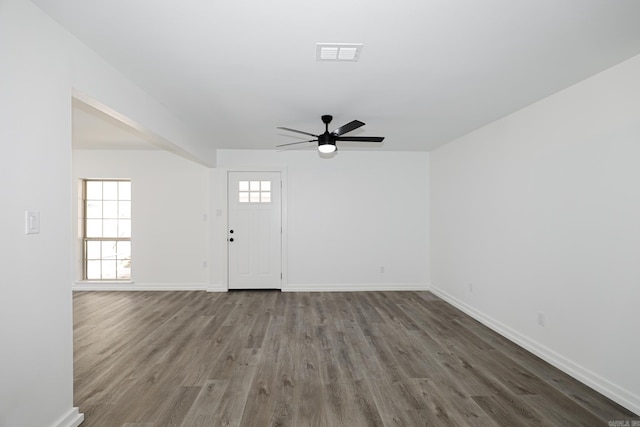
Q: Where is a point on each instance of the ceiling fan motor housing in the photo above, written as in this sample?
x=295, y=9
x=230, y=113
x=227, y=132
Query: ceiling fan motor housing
x=326, y=138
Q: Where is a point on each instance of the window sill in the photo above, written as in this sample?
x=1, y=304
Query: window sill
x=103, y=282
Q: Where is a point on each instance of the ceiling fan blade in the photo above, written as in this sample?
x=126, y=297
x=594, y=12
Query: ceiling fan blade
x=361, y=138
x=294, y=130
x=348, y=127
x=299, y=142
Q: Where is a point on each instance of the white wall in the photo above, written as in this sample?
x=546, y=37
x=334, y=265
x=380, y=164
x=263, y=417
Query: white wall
x=346, y=217
x=170, y=231
x=540, y=212
x=41, y=66
x=36, y=372
x=100, y=85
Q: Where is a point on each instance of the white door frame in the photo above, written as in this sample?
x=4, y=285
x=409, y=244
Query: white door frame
x=224, y=208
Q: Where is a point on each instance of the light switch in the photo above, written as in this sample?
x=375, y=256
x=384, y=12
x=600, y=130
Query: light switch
x=32, y=222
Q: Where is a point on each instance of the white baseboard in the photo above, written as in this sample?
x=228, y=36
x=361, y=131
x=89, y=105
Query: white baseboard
x=622, y=396
x=73, y=419
x=131, y=286
x=217, y=287
x=355, y=287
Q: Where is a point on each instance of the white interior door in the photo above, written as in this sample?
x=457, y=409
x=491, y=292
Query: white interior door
x=254, y=234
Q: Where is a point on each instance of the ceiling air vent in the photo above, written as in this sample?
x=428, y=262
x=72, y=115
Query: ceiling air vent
x=338, y=51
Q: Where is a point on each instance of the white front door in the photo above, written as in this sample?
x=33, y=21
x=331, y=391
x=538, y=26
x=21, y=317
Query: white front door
x=254, y=234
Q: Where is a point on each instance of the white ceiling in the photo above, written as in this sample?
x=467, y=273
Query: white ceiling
x=429, y=71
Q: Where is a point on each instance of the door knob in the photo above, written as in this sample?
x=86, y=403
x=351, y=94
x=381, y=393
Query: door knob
x=231, y=231
x=231, y=239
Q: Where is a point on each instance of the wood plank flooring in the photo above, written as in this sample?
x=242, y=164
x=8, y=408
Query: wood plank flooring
x=265, y=358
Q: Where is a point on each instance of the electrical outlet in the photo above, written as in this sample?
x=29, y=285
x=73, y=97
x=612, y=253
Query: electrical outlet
x=542, y=319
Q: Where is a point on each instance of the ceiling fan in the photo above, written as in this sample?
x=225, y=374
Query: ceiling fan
x=327, y=140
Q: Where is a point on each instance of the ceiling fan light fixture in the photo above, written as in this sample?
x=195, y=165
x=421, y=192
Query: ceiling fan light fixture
x=327, y=148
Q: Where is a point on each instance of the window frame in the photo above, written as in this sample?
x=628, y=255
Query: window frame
x=86, y=239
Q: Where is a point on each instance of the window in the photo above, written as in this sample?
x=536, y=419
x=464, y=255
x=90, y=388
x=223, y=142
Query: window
x=254, y=191
x=107, y=229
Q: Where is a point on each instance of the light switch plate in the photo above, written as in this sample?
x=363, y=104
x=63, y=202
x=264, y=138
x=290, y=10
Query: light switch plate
x=31, y=222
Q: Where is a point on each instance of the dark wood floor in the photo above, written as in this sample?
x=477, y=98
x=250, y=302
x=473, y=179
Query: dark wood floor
x=267, y=358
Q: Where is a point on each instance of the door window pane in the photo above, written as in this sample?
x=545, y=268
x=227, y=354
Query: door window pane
x=254, y=191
